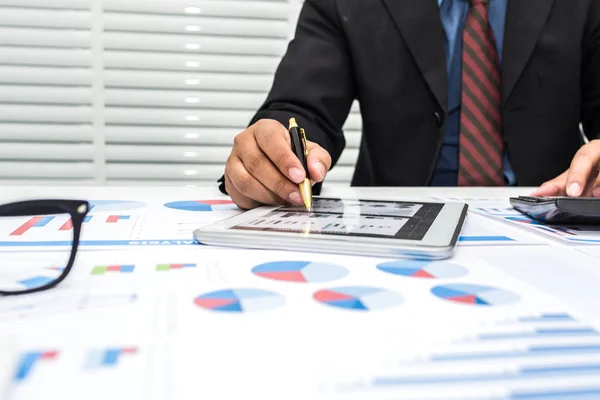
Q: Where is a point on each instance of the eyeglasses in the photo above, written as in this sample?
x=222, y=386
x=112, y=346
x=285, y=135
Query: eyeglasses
x=23, y=272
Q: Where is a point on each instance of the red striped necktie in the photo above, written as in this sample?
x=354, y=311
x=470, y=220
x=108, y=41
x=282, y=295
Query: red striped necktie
x=481, y=145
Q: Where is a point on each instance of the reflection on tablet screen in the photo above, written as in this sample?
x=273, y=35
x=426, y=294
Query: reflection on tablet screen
x=402, y=220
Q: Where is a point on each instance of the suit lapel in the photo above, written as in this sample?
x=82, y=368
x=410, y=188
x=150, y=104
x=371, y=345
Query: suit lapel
x=525, y=20
x=420, y=25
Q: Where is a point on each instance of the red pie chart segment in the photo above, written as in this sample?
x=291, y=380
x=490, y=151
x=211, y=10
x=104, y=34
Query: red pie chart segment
x=240, y=300
x=359, y=298
x=425, y=269
x=476, y=295
x=300, y=271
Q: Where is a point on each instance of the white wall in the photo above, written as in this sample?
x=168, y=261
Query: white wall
x=136, y=91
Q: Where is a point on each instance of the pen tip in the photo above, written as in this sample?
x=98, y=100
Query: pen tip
x=293, y=123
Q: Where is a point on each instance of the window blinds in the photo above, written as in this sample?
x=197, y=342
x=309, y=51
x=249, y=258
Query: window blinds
x=137, y=91
x=46, y=123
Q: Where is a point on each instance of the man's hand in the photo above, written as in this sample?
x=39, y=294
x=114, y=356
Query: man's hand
x=581, y=179
x=262, y=169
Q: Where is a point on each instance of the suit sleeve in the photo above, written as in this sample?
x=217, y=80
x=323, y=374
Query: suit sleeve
x=314, y=81
x=590, y=78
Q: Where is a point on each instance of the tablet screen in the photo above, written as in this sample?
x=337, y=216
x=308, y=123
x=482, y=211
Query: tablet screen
x=363, y=218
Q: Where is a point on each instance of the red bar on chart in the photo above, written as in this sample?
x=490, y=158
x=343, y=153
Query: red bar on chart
x=33, y=222
x=112, y=219
x=67, y=226
x=49, y=355
x=129, y=350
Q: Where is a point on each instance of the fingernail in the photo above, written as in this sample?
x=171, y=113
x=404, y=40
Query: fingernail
x=297, y=175
x=295, y=198
x=596, y=192
x=574, y=189
x=320, y=168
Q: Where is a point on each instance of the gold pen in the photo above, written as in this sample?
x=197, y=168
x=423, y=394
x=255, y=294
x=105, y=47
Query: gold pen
x=298, y=138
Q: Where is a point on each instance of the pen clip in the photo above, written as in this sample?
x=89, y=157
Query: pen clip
x=303, y=135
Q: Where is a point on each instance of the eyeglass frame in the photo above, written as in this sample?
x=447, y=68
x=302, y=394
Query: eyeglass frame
x=77, y=209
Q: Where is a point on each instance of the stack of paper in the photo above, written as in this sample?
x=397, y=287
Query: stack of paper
x=148, y=314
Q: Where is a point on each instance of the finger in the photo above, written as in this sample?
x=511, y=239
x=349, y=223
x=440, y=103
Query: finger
x=274, y=141
x=596, y=187
x=584, y=164
x=554, y=187
x=241, y=201
x=319, y=162
x=590, y=185
x=247, y=186
x=262, y=169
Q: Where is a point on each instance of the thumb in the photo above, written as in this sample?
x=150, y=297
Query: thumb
x=318, y=160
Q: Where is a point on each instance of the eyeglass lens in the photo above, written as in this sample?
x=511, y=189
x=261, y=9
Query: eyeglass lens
x=26, y=270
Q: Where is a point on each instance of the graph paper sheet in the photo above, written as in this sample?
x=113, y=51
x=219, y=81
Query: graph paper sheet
x=183, y=323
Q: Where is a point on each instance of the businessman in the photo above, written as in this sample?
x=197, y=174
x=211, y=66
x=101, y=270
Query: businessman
x=451, y=92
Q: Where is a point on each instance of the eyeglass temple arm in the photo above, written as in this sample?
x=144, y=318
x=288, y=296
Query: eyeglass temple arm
x=25, y=209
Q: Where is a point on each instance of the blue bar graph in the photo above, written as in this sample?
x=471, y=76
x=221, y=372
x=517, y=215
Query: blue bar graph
x=111, y=357
x=531, y=351
x=537, y=333
x=485, y=239
x=591, y=393
x=37, y=281
x=524, y=373
x=548, y=318
x=44, y=221
x=28, y=362
x=102, y=358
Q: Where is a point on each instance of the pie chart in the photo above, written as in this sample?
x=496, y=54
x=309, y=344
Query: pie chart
x=359, y=298
x=241, y=300
x=114, y=205
x=202, y=205
x=300, y=271
x=475, y=295
x=423, y=269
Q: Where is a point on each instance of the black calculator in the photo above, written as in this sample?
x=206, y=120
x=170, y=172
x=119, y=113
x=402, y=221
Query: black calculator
x=559, y=210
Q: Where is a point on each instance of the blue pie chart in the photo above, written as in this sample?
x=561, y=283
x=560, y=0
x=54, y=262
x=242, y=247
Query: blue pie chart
x=241, y=300
x=359, y=298
x=203, y=205
x=425, y=269
x=475, y=295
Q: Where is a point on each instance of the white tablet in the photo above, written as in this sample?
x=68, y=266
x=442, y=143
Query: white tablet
x=345, y=226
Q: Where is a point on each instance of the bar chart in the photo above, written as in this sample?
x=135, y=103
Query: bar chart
x=550, y=355
x=68, y=301
x=29, y=362
x=107, y=358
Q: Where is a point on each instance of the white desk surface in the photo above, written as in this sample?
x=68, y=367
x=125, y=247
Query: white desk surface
x=9, y=193
x=195, y=354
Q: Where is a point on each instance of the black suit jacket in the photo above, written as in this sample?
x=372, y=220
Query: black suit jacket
x=390, y=55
